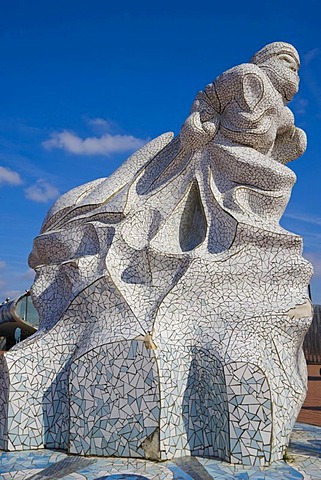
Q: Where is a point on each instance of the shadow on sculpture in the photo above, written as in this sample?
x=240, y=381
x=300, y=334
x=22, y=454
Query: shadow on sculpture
x=173, y=305
x=4, y=403
x=55, y=411
x=205, y=407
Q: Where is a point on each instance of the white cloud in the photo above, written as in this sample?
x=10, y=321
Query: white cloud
x=315, y=259
x=100, y=122
x=2, y=264
x=9, y=176
x=299, y=105
x=27, y=275
x=311, y=55
x=12, y=294
x=313, y=219
x=41, y=192
x=16, y=282
x=104, y=145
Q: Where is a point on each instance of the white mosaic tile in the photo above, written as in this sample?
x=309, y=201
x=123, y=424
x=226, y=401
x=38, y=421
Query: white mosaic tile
x=173, y=305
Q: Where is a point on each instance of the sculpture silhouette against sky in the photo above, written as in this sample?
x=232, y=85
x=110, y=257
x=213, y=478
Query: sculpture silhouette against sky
x=173, y=305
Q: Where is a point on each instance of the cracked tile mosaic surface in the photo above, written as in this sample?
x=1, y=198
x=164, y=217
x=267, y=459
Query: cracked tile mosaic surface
x=173, y=305
x=47, y=464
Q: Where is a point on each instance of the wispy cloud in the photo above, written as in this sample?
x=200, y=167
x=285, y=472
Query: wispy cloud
x=312, y=219
x=2, y=264
x=306, y=225
x=105, y=145
x=299, y=105
x=101, y=126
x=311, y=80
x=311, y=55
x=28, y=275
x=315, y=259
x=8, y=293
x=101, y=122
x=41, y=191
x=9, y=177
x=16, y=282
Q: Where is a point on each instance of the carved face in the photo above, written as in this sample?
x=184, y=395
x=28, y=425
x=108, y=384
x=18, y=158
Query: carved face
x=282, y=69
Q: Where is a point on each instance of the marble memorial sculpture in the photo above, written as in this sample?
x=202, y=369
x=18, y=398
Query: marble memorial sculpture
x=173, y=305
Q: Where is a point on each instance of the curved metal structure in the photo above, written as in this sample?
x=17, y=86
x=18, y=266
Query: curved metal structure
x=21, y=313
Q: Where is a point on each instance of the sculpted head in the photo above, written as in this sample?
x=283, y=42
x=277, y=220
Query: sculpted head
x=281, y=63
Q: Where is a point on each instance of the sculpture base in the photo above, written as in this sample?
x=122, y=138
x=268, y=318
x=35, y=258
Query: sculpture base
x=303, y=462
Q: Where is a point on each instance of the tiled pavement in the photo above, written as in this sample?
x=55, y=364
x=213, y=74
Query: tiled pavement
x=304, y=462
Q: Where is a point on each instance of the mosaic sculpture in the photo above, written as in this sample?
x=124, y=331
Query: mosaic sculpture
x=173, y=305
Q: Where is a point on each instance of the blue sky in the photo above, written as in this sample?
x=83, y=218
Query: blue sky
x=84, y=83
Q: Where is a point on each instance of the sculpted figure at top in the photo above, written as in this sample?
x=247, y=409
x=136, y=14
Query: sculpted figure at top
x=247, y=106
x=173, y=305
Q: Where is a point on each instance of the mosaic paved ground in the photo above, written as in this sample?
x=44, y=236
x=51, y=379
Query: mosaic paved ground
x=304, y=463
